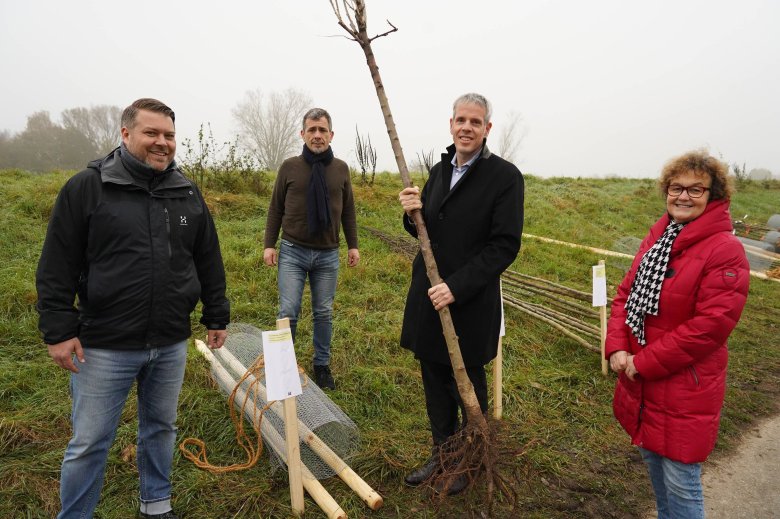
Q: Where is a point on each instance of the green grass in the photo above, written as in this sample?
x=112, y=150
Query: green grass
x=576, y=460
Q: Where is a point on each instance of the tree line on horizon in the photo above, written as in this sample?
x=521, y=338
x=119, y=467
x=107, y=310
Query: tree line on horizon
x=268, y=127
x=81, y=135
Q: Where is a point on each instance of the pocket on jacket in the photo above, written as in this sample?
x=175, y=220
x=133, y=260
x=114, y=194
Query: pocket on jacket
x=696, y=381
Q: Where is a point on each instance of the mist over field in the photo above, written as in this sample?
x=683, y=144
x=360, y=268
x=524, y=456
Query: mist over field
x=604, y=88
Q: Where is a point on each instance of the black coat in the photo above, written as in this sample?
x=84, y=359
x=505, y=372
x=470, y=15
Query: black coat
x=475, y=231
x=139, y=248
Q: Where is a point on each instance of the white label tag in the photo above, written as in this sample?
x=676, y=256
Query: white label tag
x=281, y=369
x=599, y=285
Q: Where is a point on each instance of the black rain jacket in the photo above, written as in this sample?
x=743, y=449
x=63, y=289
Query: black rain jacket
x=139, y=248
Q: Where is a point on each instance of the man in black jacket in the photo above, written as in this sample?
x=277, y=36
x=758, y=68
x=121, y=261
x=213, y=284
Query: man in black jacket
x=134, y=240
x=472, y=206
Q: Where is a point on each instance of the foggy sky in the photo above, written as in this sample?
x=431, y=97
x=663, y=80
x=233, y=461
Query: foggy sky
x=604, y=87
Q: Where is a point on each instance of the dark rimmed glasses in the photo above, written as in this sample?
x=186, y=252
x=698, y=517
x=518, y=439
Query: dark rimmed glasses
x=693, y=191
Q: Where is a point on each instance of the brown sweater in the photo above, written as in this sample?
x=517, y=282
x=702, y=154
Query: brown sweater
x=288, y=206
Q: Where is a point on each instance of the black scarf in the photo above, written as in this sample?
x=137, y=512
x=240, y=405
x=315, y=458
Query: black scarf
x=646, y=288
x=317, y=199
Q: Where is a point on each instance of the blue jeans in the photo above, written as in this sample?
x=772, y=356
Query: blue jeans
x=322, y=267
x=677, y=486
x=99, y=391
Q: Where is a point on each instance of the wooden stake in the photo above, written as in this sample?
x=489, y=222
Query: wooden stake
x=575, y=245
x=603, y=316
x=564, y=330
x=498, y=363
x=344, y=471
x=498, y=375
x=291, y=438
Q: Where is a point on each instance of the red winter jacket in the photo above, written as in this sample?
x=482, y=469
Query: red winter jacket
x=673, y=406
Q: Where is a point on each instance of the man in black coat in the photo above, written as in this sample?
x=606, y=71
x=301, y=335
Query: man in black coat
x=472, y=206
x=134, y=240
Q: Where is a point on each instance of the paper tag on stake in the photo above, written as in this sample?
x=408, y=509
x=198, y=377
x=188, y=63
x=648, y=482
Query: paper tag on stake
x=281, y=369
x=599, y=285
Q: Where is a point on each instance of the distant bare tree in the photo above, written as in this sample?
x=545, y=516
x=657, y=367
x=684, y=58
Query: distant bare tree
x=100, y=124
x=45, y=145
x=422, y=163
x=417, y=166
x=426, y=159
x=6, y=149
x=760, y=174
x=366, y=156
x=269, y=126
x=511, y=136
x=740, y=173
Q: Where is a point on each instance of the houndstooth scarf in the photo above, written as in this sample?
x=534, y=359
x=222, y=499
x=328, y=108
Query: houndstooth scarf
x=646, y=288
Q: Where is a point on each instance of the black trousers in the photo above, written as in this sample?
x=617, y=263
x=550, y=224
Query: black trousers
x=442, y=399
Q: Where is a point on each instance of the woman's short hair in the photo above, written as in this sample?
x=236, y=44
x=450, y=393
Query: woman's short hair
x=700, y=163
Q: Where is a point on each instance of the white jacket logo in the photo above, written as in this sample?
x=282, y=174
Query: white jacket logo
x=182, y=220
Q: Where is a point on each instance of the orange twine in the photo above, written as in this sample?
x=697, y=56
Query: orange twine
x=253, y=449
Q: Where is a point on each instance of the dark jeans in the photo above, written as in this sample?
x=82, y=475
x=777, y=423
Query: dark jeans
x=322, y=268
x=443, y=400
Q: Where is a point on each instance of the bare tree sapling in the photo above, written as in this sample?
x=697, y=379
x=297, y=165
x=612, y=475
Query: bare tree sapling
x=473, y=450
x=366, y=157
x=511, y=137
x=269, y=126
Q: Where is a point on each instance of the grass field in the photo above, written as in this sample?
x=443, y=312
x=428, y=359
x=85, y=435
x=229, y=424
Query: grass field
x=575, y=461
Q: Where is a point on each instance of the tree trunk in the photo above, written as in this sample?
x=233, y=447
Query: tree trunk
x=465, y=387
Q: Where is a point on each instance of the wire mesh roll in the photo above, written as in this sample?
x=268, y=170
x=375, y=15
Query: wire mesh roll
x=317, y=413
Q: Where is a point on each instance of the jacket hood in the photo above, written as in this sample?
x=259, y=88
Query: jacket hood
x=715, y=218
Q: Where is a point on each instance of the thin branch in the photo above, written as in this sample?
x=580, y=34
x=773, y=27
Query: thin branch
x=394, y=28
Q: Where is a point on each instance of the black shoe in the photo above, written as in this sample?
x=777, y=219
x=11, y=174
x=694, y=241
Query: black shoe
x=416, y=477
x=165, y=515
x=323, y=378
x=458, y=485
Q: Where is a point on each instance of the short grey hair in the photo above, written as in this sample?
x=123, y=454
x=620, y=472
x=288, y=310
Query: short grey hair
x=477, y=99
x=314, y=114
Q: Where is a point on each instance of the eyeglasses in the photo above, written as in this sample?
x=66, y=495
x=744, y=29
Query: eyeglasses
x=693, y=191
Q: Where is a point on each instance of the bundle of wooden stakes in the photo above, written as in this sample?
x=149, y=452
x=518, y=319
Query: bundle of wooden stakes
x=565, y=309
x=297, y=431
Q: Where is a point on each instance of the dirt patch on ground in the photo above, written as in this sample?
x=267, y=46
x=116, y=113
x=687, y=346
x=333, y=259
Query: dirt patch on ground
x=745, y=484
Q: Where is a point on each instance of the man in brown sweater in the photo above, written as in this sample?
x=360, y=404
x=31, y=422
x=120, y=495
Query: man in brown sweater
x=312, y=199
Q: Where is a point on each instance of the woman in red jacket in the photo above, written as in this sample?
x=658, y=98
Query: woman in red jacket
x=667, y=332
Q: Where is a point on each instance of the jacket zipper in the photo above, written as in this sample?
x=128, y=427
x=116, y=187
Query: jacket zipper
x=168, y=230
x=151, y=284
